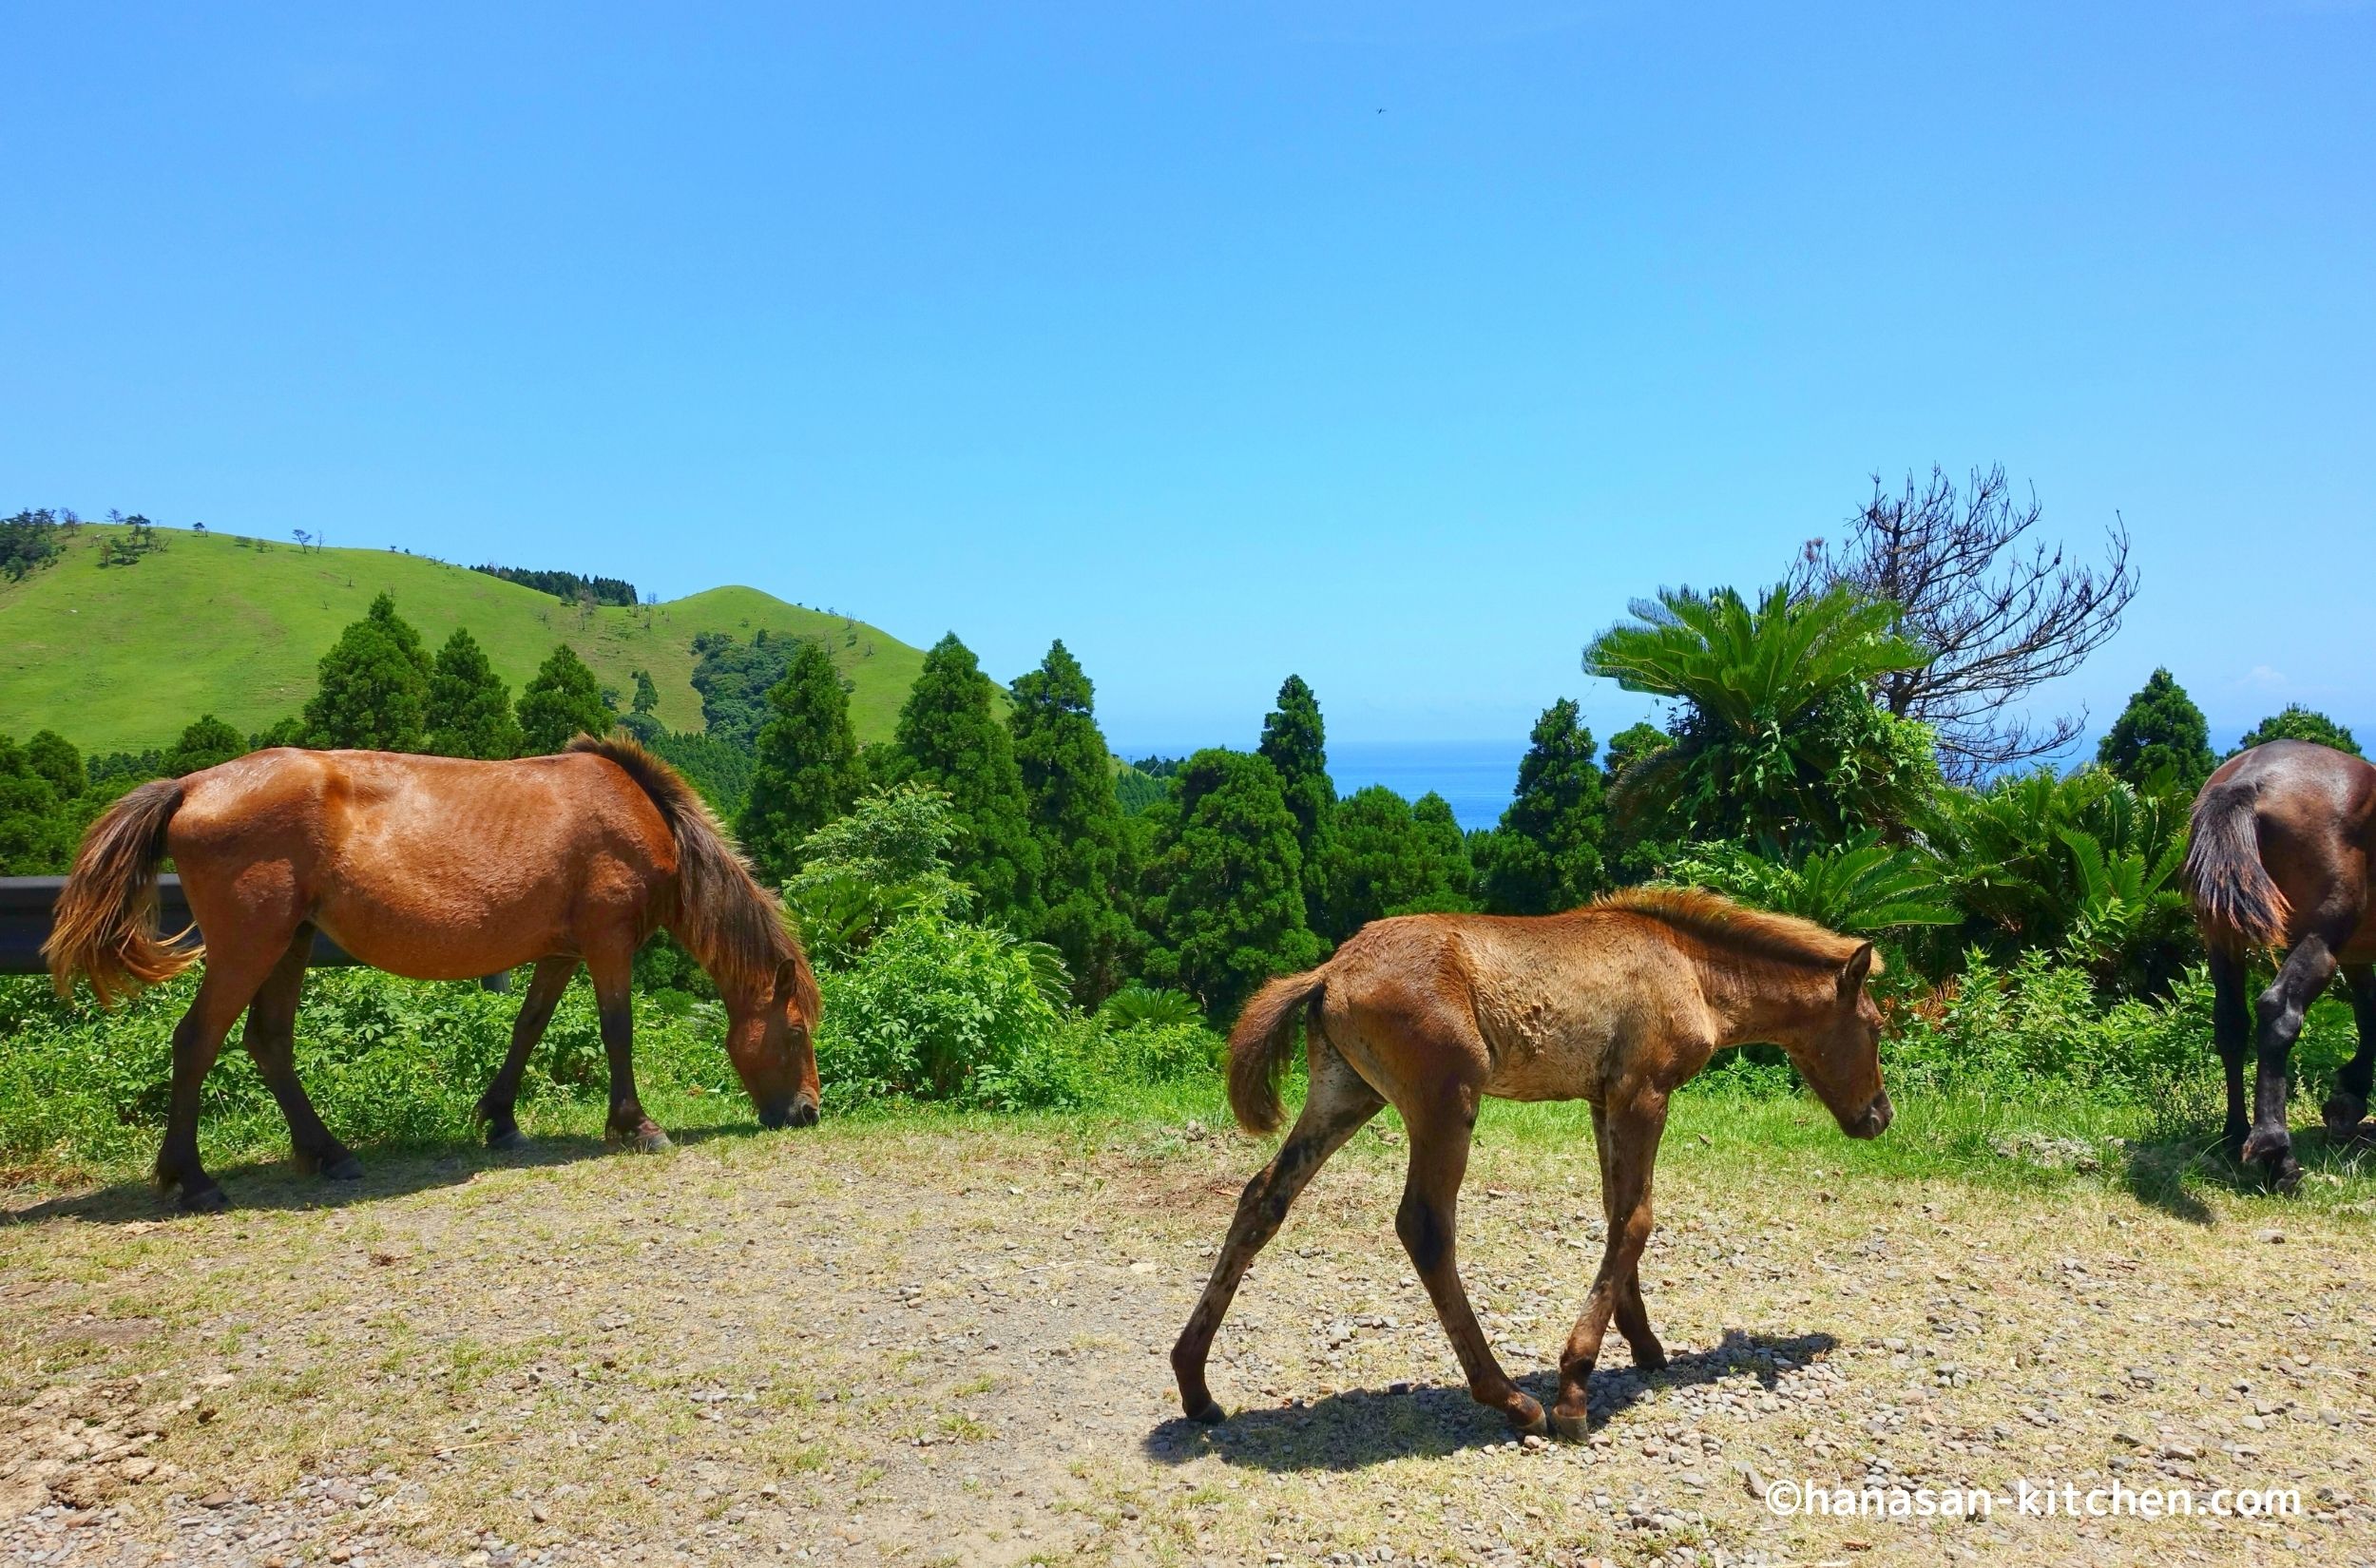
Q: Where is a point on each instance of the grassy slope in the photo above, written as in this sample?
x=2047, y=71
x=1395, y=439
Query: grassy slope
x=124, y=656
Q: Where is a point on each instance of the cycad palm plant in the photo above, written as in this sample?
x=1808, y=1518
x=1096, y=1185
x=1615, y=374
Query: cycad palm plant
x=1780, y=737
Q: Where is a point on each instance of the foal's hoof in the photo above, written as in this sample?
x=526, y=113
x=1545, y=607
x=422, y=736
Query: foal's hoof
x=506, y=1138
x=1573, y=1428
x=1209, y=1413
x=345, y=1168
x=204, y=1200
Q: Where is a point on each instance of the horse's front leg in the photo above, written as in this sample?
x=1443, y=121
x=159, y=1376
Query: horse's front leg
x=1628, y=1132
x=614, y=998
x=2347, y=1106
x=499, y=1106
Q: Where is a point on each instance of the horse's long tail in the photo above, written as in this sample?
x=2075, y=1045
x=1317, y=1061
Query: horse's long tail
x=2236, y=903
x=104, y=926
x=1258, y=1048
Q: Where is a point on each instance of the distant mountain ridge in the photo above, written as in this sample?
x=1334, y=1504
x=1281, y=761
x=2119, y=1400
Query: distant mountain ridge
x=121, y=657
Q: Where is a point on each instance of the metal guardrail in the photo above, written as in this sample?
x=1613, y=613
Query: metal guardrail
x=27, y=902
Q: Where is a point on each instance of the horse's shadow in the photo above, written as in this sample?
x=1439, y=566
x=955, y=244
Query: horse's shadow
x=1365, y=1426
x=393, y=1170
x=2158, y=1168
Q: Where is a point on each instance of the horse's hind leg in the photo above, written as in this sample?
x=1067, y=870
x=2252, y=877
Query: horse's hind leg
x=271, y=1040
x=613, y=973
x=498, y=1107
x=1629, y=1140
x=1427, y=1223
x=234, y=971
x=2347, y=1106
x=1339, y=1102
x=2232, y=1031
x=2303, y=974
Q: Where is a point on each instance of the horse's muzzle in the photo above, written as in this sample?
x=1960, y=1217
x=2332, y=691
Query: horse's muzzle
x=1876, y=1118
x=799, y=1112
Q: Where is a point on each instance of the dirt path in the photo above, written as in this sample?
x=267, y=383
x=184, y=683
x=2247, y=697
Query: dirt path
x=869, y=1344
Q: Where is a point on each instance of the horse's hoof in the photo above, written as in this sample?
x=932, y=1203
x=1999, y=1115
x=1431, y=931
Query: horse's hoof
x=2273, y=1149
x=2343, y=1114
x=1573, y=1428
x=1209, y=1413
x=2287, y=1176
x=345, y=1168
x=204, y=1200
x=649, y=1141
x=1528, y=1420
x=1652, y=1359
x=508, y=1137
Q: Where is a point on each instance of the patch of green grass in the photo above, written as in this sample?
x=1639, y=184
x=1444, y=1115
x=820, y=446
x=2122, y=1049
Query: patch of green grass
x=124, y=656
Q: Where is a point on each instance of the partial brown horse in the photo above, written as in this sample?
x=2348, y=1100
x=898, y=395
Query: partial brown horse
x=437, y=870
x=1616, y=1003
x=2283, y=838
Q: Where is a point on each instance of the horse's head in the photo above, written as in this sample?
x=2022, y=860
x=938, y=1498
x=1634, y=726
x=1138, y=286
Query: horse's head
x=1839, y=1053
x=770, y=1040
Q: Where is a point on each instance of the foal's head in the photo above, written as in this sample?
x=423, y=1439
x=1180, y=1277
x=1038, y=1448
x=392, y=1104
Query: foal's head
x=1838, y=1051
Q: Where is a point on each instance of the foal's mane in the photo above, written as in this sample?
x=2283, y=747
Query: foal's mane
x=735, y=926
x=1758, y=933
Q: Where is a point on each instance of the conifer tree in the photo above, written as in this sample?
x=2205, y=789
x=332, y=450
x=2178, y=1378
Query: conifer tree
x=2162, y=727
x=561, y=701
x=1295, y=742
x=55, y=757
x=373, y=690
x=205, y=742
x=1545, y=855
x=1226, y=903
x=949, y=735
x=2295, y=723
x=1387, y=856
x=1069, y=781
x=807, y=771
x=470, y=708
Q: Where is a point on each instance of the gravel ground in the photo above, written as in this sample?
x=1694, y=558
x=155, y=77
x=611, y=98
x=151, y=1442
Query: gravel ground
x=937, y=1343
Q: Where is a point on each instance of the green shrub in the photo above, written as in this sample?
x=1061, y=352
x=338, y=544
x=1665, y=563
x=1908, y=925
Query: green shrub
x=1160, y=1053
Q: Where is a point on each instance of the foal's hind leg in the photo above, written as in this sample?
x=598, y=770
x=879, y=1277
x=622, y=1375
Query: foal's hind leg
x=498, y=1106
x=1629, y=1148
x=1427, y=1223
x=2347, y=1106
x=1633, y=1315
x=271, y=1040
x=1339, y=1102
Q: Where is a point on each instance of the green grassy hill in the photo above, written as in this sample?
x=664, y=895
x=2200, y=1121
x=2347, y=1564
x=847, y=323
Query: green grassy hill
x=121, y=657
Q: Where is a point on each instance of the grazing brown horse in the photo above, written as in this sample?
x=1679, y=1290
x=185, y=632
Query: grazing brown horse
x=1614, y=1004
x=434, y=868
x=2284, y=835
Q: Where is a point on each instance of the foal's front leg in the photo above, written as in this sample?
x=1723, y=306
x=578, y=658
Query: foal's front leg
x=1628, y=1133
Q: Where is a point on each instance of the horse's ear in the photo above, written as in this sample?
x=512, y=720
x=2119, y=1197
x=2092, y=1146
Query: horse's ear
x=1852, y=973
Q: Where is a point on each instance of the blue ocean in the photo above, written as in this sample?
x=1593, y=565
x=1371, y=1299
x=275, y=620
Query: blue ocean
x=1476, y=776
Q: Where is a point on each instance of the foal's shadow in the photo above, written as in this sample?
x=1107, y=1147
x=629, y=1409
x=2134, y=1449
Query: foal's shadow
x=393, y=1172
x=1365, y=1426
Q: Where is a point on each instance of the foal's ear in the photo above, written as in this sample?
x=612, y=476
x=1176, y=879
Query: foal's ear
x=1852, y=973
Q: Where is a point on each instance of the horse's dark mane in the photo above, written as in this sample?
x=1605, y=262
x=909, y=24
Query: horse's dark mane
x=735, y=926
x=1759, y=933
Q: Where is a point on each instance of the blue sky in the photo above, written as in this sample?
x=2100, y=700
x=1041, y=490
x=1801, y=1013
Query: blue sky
x=1144, y=327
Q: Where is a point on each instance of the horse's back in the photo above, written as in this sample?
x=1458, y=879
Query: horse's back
x=426, y=865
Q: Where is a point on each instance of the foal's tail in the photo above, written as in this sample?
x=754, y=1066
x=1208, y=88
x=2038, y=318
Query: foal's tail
x=2236, y=904
x=104, y=925
x=1258, y=1048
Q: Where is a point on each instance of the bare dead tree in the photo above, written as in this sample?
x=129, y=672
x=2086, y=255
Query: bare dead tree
x=2004, y=612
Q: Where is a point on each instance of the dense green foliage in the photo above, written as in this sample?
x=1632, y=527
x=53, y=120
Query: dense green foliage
x=567, y=585
x=805, y=772
x=28, y=541
x=949, y=736
x=1077, y=820
x=470, y=707
x=1225, y=907
x=888, y=858
x=2161, y=731
x=206, y=742
x=1294, y=744
x=1779, y=736
x=2299, y=723
x=372, y=692
x=734, y=679
x=35, y=832
x=561, y=701
x=1544, y=857
x=720, y=772
x=1385, y=855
